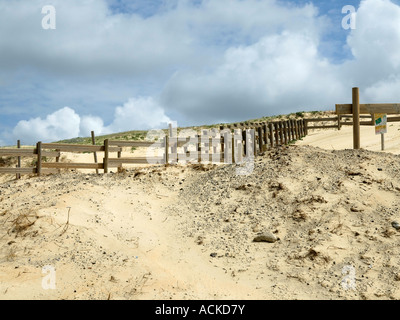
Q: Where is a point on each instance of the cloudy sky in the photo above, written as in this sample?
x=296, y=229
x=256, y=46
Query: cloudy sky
x=118, y=65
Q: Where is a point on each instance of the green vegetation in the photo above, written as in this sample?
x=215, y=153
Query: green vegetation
x=138, y=135
x=135, y=135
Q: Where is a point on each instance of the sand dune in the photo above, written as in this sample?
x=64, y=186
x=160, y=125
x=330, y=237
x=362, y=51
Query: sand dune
x=186, y=232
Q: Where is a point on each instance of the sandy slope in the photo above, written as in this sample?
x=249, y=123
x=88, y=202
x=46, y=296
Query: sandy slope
x=187, y=232
x=343, y=139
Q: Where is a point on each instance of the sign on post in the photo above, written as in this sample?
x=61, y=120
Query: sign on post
x=381, y=127
x=380, y=123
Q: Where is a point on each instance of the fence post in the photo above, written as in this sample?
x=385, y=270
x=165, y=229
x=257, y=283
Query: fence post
x=244, y=133
x=255, y=144
x=276, y=133
x=305, y=127
x=205, y=139
x=265, y=126
x=173, y=141
x=260, y=139
x=18, y=176
x=238, y=143
x=339, y=121
x=227, y=147
x=356, y=118
x=271, y=134
x=301, y=135
x=39, y=158
x=166, y=147
x=94, y=153
x=106, y=155
x=222, y=144
x=198, y=148
x=295, y=131
x=214, y=144
x=280, y=131
x=233, y=148
x=299, y=128
x=285, y=136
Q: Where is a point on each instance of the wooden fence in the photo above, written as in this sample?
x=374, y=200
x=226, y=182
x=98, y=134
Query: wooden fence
x=227, y=145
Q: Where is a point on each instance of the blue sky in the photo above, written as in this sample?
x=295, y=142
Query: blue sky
x=116, y=65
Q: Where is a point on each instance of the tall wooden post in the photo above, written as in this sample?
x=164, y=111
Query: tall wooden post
x=356, y=118
x=19, y=159
x=166, y=147
x=106, y=155
x=39, y=158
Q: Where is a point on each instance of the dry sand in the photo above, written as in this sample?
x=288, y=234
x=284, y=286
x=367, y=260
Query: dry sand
x=186, y=232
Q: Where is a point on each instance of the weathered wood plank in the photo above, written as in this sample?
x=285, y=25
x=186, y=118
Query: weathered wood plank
x=362, y=123
x=323, y=127
x=321, y=119
x=17, y=152
x=18, y=170
x=62, y=165
x=388, y=108
x=77, y=147
x=135, y=143
x=26, y=153
x=115, y=162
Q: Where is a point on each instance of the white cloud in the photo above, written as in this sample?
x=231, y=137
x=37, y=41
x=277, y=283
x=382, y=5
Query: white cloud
x=139, y=113
x=89, y=40
x=56, y=126
x=278, y=74
x=91, y=123
x=65, y=123
x=375, y=44
x=285, y=71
